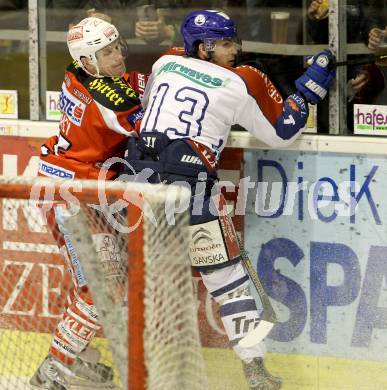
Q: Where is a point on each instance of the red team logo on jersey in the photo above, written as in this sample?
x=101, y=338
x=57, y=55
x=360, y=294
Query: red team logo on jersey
x=293, y=105
x=78, y=112
x=71, y=106
x=81, y=95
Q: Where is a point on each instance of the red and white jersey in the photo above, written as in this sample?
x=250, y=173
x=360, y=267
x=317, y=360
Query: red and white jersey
x=191, y=98
x=98, y=114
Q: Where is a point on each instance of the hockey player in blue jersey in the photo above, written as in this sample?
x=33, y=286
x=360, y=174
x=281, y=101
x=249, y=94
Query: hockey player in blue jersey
x=192, y=99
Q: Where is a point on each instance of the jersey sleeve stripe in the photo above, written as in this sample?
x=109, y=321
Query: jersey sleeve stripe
x=260, y=87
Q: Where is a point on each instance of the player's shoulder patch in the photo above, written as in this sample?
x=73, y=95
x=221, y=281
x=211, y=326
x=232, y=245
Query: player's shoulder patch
x=112, y=92
x=177, y=51
x=257, y=82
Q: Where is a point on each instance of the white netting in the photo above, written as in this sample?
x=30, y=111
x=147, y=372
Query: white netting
x=34, y=282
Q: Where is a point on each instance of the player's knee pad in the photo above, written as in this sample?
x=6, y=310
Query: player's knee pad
x=227, y=282
x=213, y=241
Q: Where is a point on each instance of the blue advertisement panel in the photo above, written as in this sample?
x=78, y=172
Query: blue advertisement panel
x=316, y=229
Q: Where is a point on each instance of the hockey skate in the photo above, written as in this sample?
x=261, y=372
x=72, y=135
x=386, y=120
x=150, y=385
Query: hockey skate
x=54, y=375
x=258, y=377
x=90, y=354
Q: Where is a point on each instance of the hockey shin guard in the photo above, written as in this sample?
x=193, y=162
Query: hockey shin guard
x=77, y=327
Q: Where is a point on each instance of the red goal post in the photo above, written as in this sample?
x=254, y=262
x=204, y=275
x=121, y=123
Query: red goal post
x=145, y=300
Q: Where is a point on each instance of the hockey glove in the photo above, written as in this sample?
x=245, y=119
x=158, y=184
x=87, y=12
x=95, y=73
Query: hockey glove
x=318, y=78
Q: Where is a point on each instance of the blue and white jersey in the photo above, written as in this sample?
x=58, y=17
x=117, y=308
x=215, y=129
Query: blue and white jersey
x=191, y=98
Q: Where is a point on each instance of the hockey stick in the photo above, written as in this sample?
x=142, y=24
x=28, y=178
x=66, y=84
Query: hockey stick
x=362, y=61
x=269, y=317
x=357, y=61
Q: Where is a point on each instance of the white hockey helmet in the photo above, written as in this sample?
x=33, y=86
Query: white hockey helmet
x=88, y=36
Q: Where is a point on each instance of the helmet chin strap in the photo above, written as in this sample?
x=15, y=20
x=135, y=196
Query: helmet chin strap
x=209, y=47
x=210, y=56
x=97, y=75
x=208, y=53
x=94, y=63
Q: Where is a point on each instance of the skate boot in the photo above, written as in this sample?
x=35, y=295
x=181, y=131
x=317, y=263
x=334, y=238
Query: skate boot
x=54, y=375
x=94, y=372
x=90, y=354
x=49, y=376
x=258, y=377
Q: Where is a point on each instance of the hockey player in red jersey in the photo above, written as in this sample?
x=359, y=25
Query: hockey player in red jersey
x=100, y=108
x=192, y=99
x=99, y=103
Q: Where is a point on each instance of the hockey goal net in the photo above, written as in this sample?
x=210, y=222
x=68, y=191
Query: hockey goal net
x=132, y=242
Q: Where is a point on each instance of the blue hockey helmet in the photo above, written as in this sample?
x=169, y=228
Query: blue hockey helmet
x=206, y=26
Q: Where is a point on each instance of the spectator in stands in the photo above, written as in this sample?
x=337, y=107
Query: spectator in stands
x=164, y=17
x=377, y=43
x=156, y=21
x=259, y=18
x=259, y=29
x=64, y=13
x=364, y=82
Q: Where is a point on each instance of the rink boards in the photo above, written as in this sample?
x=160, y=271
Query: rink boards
x=319, y=244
